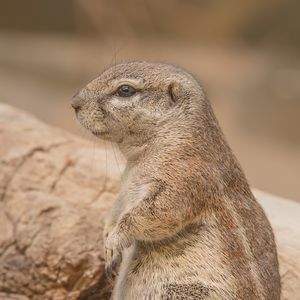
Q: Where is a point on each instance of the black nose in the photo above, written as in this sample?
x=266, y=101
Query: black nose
x=76, y=102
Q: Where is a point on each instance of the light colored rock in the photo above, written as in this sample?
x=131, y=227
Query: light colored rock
x=55, y=190
x=284, y=215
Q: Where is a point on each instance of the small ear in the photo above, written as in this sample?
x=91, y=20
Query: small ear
x=175, y=91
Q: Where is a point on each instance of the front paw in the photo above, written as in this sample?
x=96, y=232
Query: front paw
x=114, y=245
x=113, y=258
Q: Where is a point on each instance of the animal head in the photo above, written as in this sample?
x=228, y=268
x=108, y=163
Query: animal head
x=135, y=99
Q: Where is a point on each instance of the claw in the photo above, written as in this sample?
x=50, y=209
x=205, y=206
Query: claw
x=113, y=259
x=114, y=245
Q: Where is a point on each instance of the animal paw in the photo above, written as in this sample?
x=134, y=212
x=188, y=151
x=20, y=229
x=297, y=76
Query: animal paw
x=114, y=245
x=113, y=259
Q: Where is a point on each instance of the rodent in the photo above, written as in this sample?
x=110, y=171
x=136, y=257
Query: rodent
x=185, y=224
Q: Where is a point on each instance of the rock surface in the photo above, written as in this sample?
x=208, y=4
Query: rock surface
x=55, y=190
x=54, y=194
x=284, y=215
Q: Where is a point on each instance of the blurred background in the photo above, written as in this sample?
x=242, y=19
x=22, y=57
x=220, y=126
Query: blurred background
x=245, y=53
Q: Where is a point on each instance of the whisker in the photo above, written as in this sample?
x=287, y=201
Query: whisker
x=106, y=162
x=117, y=162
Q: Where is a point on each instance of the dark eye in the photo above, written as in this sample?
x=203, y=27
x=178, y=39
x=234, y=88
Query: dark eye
x=126, y=91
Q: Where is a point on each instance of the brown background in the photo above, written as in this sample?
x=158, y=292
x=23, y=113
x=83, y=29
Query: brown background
x=245, y=53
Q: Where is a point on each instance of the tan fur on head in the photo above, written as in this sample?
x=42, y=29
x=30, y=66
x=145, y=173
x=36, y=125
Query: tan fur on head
x=163, y=93
x=185, y=224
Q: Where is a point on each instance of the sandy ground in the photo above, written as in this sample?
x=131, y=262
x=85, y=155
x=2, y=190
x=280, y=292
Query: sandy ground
x=255, y=93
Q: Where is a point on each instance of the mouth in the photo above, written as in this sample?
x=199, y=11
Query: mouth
x=96, y=132
x=99, y=133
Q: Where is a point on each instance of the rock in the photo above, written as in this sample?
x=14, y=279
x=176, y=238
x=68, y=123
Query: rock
x=53, y=199
x=284, y=215
x=55, y=191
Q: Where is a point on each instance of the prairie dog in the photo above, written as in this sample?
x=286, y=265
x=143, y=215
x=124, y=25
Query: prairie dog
x=185, y=223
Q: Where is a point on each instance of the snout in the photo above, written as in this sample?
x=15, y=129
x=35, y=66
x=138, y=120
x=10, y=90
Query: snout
x=76, y=102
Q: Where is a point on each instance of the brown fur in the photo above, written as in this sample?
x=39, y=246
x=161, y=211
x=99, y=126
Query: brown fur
x=185, y=222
